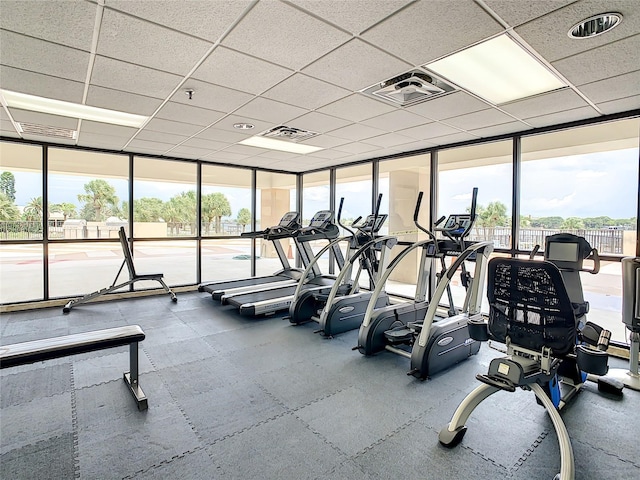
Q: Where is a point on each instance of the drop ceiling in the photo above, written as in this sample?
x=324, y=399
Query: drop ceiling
x=300, y=63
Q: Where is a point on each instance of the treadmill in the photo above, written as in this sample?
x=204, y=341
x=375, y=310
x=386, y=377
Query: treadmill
x=287, y=228
x=267, y=300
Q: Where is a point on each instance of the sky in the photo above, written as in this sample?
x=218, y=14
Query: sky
x=575, y=186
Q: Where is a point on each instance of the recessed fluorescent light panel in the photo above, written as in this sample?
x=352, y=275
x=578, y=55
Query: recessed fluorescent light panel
x=498, y=70
x=273, y=144
x=33, y=103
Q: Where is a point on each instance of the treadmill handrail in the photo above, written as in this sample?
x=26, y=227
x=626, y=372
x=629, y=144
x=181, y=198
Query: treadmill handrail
x=345, y=269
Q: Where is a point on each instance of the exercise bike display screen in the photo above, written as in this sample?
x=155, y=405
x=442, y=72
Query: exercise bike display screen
x=457, y=224
x=562, y=252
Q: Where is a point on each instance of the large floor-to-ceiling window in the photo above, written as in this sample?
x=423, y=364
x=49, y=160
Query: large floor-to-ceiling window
x=226, y=213
x=88, y=198
x=165, y=208
x=585, y=181
x=21, y=264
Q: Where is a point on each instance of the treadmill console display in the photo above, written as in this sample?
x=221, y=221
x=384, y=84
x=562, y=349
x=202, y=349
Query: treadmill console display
x=289, y=219
x=457, y=224
x=321, y=219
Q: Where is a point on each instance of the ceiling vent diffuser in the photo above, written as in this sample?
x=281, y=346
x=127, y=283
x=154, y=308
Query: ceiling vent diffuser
x=412, y=87
x=283, y=132
x=47, y=131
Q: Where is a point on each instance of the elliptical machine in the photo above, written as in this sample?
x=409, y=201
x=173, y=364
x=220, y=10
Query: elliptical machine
x=372, y=251
x=412, y=329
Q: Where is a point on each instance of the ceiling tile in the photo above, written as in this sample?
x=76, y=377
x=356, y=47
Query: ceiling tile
x=202, y=143
x=156, y=47
x=356, y=147
x=306, y=92
x=99, y=140
x=612, y=88
x=161, y=137
x=454, y=138
x=107, y=129
x=211, y=97
x=146, y=146
x=517, y=13
x=43, y=57
x=511, y=127
x=562, y=117
x=395, y=121
x=419, y=145
x=121, y=101
x=621, y=105
x=356, y=65
x=168, y=126
x=241, y=72
x=266, y=32
x=483, y=118
x=354, y=15
x=548, y=34
x=557, y=101
x=73, y=25
x=429, y=130
x=356, y=108
x=269, y=111
x=356, y=132
x=213, y=16
x=603, y=62
x=188, y=114
x=318, y=122
x=224, y=156
x=389, y=140
x=188, y=152
x=227, y=125
x=411, y=36
x=332, y=154
x=220, y=135
x=131, y=78
x=41, y=85
x=447, y=106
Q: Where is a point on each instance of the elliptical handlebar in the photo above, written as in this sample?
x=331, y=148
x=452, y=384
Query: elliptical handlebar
x=339, y=218
x=474, y=198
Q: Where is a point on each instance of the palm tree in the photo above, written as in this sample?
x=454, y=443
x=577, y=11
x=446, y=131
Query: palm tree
x=215, y=206
x=8, y=211
x=33, y=210
x=244, y=217
x=99, y=196
x=66, y=209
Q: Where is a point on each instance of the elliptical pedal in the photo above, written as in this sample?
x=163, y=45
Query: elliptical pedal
x=400, y=336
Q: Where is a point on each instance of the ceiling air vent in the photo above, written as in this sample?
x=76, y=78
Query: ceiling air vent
x=288, y=133
x=410, y=88
x=47, y=131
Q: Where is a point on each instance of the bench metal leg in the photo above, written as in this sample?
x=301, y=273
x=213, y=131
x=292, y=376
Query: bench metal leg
x=131, y=378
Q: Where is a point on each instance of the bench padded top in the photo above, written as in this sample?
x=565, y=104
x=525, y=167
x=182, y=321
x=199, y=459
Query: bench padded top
x=48, y=348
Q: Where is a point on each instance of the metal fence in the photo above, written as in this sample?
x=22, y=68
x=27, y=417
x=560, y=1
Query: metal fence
x=605, y=240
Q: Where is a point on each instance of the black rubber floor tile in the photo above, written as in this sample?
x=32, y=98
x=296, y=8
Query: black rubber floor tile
x=32, y=384
x=48, y=459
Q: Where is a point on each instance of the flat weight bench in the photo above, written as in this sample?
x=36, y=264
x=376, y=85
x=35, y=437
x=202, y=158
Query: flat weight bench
x=56, y=347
